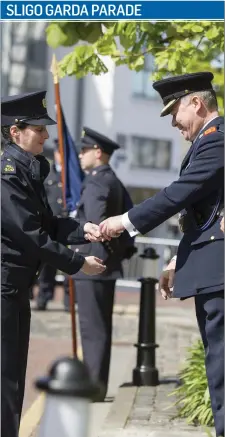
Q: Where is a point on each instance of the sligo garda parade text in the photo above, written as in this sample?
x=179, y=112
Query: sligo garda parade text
x=66, y=10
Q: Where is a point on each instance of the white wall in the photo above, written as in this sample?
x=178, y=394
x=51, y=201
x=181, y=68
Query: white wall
x=110, y=107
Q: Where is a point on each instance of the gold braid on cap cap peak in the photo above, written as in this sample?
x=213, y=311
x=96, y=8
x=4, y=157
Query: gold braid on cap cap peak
x=167, y=108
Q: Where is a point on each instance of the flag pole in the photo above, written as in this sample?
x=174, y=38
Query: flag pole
x=54, y=71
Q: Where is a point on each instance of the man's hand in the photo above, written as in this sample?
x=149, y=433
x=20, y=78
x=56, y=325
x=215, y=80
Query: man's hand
x=222, y=225
x=92, y=232
x=93, y=266
x=166, y=280
x=112, y=226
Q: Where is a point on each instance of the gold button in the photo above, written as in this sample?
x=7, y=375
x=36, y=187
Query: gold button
x=59, y=200
x=212, y=237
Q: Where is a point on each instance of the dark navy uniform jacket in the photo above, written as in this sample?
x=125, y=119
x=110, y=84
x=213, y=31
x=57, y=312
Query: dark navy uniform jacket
x=102, y=196
x=31, y=235
x=53, y=188
x=199, y=193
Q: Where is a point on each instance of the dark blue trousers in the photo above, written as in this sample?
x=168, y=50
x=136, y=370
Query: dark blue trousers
x=15, y=331
x=210, y=316
x=95, y=307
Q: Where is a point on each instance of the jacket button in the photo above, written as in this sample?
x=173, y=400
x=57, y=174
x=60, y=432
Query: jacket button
x=59, y=200
x=60, y=184
x=50, y=182
x=212, y=237
x=77, y=250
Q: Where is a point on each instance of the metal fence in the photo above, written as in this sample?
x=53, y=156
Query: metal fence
x=137, y=267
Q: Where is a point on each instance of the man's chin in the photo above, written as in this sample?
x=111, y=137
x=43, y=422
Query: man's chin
x=184, y=134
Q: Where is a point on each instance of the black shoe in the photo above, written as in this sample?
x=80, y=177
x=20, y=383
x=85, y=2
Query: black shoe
x=66, y=302
x=41, y=304
x=101, y=394
x=66, y=308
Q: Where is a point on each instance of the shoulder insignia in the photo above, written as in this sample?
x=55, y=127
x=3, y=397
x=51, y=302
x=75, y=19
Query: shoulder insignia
x=8, y=166
x=210, y=130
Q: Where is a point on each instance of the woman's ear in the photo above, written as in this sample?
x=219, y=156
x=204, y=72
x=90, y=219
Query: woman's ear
x=14, y=131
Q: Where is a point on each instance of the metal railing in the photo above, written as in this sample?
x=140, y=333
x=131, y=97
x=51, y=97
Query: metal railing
x=166, y=248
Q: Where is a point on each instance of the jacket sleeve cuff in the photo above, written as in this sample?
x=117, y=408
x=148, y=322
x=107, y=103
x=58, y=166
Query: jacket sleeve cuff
x=128, y=225
x=77, y=261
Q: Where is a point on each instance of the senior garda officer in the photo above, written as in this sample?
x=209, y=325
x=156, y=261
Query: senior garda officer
x=102, y=195
x=31, y=236
x=53, y=188
x=198, y=196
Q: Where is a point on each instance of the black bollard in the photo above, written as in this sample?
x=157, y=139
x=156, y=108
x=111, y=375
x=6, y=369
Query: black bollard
x=145, y=372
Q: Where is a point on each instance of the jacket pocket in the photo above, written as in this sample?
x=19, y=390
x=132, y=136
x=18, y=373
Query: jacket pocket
x=211, y=234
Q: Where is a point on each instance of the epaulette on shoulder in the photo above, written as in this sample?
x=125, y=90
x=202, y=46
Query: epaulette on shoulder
x=211, y=130
x=8, y=165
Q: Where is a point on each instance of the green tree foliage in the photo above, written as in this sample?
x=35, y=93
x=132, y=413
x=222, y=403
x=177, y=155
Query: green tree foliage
x=177, y=47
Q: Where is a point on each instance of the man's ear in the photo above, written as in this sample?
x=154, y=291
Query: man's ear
x=196, y=102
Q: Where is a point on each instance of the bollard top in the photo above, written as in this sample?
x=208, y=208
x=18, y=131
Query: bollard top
x=151, y=281
x=149, y=253
x=70, y=377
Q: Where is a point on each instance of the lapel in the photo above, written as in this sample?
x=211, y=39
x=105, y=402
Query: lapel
x=186, y=159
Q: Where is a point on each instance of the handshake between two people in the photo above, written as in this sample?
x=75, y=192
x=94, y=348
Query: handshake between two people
x=109, y=228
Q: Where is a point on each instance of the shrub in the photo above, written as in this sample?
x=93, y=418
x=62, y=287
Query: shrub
x=193, y=401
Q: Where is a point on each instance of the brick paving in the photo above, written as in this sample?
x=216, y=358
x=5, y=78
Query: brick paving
x=176, y=330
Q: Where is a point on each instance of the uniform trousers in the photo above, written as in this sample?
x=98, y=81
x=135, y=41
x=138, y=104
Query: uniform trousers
x=210, y=316
x=95, y=307
x=15, y=332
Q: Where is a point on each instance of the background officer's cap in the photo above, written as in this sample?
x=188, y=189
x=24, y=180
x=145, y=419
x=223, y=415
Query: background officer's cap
x=25, y=108
x=91, y=138
x=173, y=88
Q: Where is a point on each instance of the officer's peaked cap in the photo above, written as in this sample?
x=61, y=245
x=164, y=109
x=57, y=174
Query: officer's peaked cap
x=172, y=89
x=25, y=108
x=93, y=139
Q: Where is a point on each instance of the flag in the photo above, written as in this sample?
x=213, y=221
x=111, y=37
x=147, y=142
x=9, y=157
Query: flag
x=74, y=174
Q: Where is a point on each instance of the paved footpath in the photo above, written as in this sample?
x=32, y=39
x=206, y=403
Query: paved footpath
x=128, y=411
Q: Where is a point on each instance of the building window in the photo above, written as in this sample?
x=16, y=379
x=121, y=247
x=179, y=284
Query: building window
x=138, y=194
x=142, y=84
x=151, y=153
x=121, y=140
